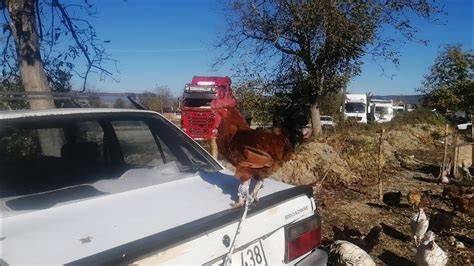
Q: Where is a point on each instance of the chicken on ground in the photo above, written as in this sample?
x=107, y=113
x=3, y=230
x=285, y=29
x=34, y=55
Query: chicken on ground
x=429, y=253
x=345, y=253
x=419, y=224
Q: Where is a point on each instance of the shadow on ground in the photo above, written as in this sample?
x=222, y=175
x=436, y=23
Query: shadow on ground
x=394, y=233
x=390, y=258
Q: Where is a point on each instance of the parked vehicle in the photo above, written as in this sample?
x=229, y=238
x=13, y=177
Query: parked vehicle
x=399, y=108
x=197, y=119
x=118, y=186
x=464, y=126
x=356, y=107
x=381, y=111
x=327, y=121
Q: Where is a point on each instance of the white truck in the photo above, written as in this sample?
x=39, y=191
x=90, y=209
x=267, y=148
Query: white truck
x=398, y=108
x=381, y=111
x=117, y=186
x=356, y=107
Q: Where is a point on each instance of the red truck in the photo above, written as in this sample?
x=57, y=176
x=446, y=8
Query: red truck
x=197, y=119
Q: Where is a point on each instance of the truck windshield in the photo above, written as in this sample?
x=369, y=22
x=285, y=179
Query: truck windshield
x=197, y=102
x=382, y=109
x=48, y=161
x=355, y=107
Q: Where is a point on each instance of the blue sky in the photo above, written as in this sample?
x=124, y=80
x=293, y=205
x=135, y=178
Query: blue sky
x=166, y=42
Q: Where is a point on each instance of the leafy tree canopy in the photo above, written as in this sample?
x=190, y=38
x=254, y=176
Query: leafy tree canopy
x=450, y=82
x=315, y=46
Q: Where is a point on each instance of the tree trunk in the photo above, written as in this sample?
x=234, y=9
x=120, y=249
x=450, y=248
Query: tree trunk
x=33, y=76
x=472, y=141
x=315, y=120
x=23, y=26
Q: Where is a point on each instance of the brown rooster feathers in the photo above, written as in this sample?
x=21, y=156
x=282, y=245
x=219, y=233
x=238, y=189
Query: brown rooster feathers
x=253, y=153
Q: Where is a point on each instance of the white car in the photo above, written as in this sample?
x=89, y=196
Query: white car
x=464, y=126
x=117, y=186
x=327, y=121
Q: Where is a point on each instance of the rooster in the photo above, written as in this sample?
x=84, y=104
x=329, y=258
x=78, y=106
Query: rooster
x=414, y=198
x=463, y=205
x=253, y=153
x=419, y=223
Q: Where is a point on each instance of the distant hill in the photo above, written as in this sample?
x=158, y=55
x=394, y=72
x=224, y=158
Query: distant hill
x=410, y=99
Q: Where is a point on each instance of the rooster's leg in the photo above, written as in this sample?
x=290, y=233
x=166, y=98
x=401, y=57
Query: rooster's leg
x=257, y=188
x=243, y=194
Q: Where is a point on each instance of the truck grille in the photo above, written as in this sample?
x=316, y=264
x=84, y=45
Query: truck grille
x=198, y=124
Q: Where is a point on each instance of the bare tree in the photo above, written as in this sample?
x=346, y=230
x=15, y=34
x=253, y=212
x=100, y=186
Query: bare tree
x=159, y=99
x=315, y=46
x=36, y=27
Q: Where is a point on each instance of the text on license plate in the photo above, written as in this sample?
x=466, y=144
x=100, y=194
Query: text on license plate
x=253, y=255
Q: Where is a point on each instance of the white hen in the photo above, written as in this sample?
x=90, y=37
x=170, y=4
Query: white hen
x=419, y=225
x=429, y=253
x=346, y=253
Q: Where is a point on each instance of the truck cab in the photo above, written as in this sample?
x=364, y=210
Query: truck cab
x=381, y=111
x=356, y=107
x=197, y=119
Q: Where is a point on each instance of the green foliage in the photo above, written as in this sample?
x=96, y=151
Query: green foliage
x=58, y=74
x=255, y=104
x=331, y=104
x=450, y=83
x=313, y=48
x=19, y=145
x=420, y=116
x=437, y=135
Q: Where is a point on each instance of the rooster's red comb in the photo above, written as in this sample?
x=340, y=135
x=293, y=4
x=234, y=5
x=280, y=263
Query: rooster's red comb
x=223, y=99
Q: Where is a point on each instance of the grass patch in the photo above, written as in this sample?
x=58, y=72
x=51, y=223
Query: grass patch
x=420, y=116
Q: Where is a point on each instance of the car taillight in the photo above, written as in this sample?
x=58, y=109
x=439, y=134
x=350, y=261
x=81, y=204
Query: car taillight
x=302, y=237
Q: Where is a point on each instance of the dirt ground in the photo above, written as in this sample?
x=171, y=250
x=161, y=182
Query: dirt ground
x=358, y=207
x=342, y=167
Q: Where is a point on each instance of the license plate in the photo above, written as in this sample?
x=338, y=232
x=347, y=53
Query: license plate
x=253, y=255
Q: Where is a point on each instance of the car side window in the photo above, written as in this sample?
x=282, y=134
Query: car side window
x=139, y=146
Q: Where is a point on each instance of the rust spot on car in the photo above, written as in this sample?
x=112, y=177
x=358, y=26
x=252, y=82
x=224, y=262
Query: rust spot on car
x=85, y=240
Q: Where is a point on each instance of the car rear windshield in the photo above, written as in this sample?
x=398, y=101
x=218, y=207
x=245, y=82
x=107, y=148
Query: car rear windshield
x=58, y=159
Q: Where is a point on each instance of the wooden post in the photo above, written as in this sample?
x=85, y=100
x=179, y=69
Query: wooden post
x=472, y=141
x=214, y=151
x=442, y=169
x=455, y=155
x=380, y=162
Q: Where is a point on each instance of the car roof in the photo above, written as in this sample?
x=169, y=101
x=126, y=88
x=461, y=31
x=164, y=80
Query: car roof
x=64, y=111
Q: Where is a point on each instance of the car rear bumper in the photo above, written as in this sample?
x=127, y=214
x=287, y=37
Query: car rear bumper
x=318, y=257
